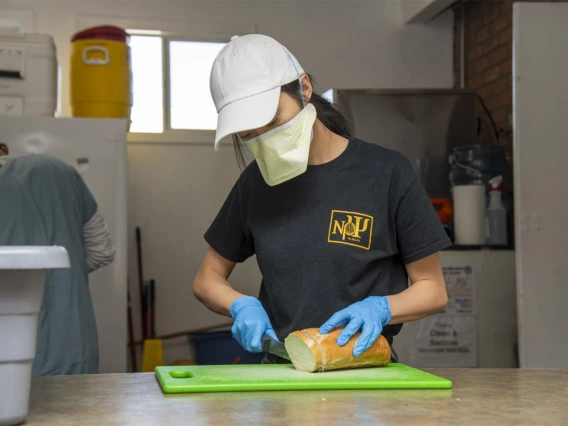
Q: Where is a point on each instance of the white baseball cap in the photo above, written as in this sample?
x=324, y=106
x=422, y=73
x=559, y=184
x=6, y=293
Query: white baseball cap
x=245, y=82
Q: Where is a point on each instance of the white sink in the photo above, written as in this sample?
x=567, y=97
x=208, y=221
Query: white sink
x=22, y=278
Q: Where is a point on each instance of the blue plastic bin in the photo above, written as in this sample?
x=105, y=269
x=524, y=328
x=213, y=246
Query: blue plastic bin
x=219, y=347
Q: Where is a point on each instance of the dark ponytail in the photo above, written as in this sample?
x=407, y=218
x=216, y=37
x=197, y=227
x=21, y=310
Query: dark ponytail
x=327, y=113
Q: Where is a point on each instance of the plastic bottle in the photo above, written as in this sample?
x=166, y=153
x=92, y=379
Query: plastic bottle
x=496, y=214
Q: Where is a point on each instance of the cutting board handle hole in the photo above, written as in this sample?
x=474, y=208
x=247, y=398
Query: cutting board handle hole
x=181, y=374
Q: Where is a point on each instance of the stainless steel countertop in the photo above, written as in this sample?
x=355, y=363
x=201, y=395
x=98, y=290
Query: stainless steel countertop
x=480, y=396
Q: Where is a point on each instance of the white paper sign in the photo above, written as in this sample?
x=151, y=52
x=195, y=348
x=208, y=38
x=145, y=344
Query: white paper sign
x=446, y=341
x=460, y=285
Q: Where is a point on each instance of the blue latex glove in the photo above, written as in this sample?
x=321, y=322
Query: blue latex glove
x=251, y=323
x=372, y=313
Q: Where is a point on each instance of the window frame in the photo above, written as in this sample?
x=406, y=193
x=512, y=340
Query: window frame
x=210, y=31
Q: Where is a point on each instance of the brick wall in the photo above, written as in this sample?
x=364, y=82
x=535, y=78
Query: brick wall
x=488, y=60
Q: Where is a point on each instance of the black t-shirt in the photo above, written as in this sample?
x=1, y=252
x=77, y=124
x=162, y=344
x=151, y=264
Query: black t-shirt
x=338, y=233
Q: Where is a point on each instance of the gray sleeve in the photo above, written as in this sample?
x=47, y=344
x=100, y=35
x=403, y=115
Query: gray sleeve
x=99, y=250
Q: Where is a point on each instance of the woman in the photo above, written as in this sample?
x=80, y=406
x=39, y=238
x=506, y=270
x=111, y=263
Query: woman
x=338, y=225
x=46, y=202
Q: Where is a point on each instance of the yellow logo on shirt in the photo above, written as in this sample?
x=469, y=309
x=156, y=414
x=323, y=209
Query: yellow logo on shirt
x=353, y=229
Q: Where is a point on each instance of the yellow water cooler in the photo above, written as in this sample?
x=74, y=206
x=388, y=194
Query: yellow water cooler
x=101, y=75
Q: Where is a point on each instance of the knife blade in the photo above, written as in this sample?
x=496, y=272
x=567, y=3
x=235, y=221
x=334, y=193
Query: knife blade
x=274, y=347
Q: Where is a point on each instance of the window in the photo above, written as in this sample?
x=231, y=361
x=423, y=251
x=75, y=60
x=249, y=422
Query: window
x=328, y=95
x=180, y=102
x=191, y=104
x=147, y=85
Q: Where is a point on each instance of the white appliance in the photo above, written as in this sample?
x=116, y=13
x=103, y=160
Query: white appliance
x=97, y=149
x=540, y=102
x=479, y=327
x=28, y=74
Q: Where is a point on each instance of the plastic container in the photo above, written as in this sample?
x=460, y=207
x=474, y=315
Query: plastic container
x=496, y=215
x=28, y=74
x=477, y=164
x=101, y=76
x=470, y=226
x=443, y=208
x=219, y=348
x=445, y=213
x=22, y=279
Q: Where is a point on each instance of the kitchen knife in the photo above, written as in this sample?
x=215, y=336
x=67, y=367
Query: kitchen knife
x=274, y=347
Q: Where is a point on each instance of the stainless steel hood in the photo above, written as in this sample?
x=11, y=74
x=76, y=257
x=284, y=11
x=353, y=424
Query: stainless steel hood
x=425, y=125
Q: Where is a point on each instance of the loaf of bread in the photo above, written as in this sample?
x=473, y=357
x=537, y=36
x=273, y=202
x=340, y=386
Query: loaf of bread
x=310, y=351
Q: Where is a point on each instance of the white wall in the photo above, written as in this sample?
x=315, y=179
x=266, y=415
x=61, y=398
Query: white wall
x=414, y=11
x=540, y=102
x=176, y=189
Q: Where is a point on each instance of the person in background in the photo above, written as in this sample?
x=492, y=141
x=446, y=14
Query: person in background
x=44, y=201
x=338, y=225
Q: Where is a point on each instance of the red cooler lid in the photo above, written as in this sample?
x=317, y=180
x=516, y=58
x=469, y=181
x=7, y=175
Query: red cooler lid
x=105, y=32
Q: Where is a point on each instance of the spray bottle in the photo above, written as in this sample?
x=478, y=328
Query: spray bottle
x=496, y=214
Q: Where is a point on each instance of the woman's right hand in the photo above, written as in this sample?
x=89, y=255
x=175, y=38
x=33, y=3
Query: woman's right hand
x=251, y=323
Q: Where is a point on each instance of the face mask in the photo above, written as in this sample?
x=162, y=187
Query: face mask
x=282, y=153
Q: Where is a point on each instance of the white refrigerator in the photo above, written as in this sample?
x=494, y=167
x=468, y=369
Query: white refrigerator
x=540, y=151
x=97, y=149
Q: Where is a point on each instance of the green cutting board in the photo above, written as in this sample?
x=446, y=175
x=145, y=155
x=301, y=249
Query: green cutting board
x=270, y=377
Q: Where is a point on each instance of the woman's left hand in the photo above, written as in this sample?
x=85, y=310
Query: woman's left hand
x=372, y=313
